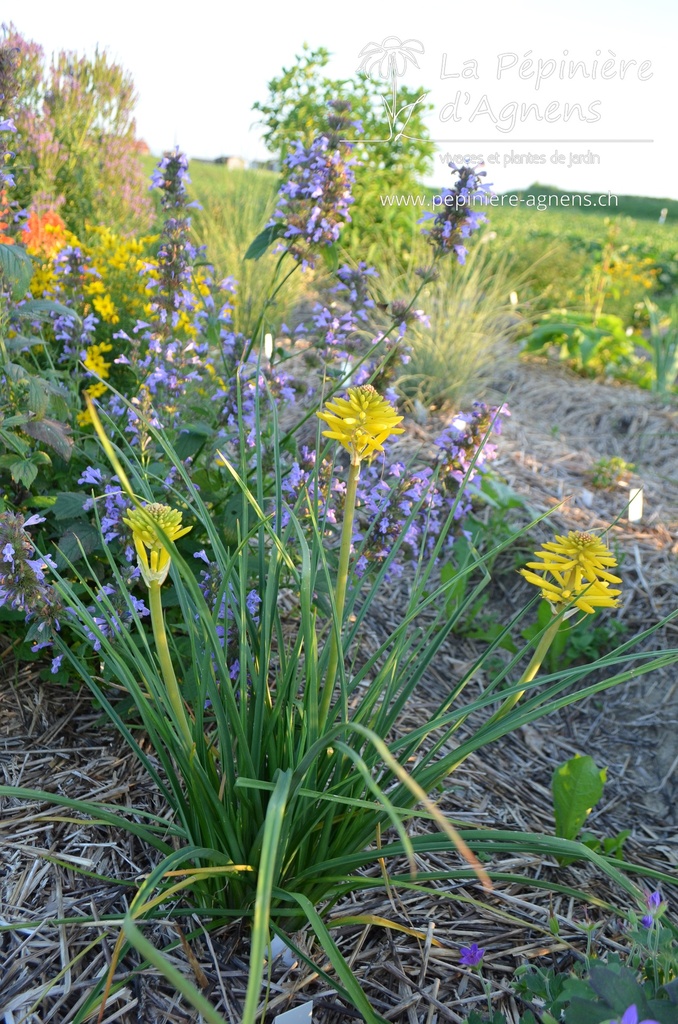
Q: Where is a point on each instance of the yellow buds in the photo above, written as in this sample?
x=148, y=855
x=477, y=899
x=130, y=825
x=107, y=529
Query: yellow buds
x=141, y=521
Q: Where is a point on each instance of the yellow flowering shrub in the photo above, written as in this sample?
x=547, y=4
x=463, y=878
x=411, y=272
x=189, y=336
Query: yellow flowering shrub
x=118, y=288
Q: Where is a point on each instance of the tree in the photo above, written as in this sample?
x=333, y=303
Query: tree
x=297, y=108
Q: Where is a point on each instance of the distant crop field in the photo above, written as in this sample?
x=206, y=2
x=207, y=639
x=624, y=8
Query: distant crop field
x=552, y=253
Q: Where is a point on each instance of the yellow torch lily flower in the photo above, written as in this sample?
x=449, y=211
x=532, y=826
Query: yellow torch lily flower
x=361, y=422
x=155, y=568
x=578, y=565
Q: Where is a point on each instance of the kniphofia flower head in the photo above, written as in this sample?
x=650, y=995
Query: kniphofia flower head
x=578, y=569
x=154, y=563
x=361, y=422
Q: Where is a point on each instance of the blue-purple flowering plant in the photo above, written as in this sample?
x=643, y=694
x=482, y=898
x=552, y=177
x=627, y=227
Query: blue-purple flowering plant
x=457, y=216
x=630, y=1016
x=471, y=956
x=314, y=202
x=25, y=585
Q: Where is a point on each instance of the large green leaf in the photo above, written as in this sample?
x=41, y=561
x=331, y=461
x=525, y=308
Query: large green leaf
x=618, y=988
x=69, y=505
x=16, y=267
x=20, y=342
x=23, y=472
x=80, y=540
x=42, y=309
x=192, y=438
x=52, y=433
x=577, y=786
x=38, y=399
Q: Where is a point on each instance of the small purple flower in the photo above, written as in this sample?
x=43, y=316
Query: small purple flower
x=653, y=902
x=8, y=553
x=56, y=664
x=91, y=475
x=471, y=956
x=34, y=520
x=630, y=1016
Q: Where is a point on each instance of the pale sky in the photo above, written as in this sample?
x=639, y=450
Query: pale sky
x=199, y=67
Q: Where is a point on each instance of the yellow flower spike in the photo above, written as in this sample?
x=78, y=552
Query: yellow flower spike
x=579, y=566
x=361, y=422
x=155, y=563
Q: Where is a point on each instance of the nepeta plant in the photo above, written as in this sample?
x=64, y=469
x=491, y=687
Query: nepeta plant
x=456, y=220
x=314, y=201
x=175, y=350
x=24, y=584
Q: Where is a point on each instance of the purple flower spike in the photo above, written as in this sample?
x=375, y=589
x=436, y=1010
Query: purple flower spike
x=455, y=219
x=471, y=956
x=314, y=202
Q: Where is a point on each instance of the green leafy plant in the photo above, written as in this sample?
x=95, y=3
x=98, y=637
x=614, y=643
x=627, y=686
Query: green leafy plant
x=593, y=992
x=590, y=345
x=610, y=990
x=77, y=146
x=577, y=786
x=27, y=396
x=608, y=472
x=299, y=107
x=663, y=347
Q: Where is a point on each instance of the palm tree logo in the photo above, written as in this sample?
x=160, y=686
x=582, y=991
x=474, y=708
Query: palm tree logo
x=391, y=57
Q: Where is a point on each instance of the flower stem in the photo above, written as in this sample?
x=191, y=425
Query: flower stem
x=165, y=659
x=340, y=592
x=530, y=672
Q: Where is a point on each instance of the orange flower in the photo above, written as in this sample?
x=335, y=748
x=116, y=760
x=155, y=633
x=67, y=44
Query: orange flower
x=44, y=235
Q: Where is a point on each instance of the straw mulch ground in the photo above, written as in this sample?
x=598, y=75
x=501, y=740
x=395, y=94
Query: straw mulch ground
x=50, y=739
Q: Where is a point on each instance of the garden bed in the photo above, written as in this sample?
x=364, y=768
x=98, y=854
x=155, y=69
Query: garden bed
x=52, y=739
